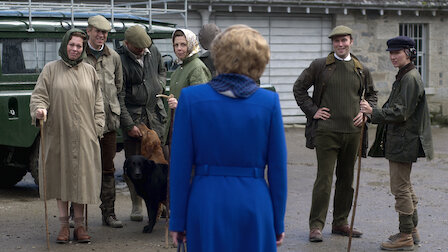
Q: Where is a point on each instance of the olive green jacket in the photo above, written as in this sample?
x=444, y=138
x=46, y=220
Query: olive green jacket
x=404, y=132
x=110, y=72
x=192, y=71
x=138, y=100
x=317, y=75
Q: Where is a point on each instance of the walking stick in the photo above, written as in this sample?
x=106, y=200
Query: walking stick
x=42, y=145
x=357, y=184
x=87, y=224
x=170, y=133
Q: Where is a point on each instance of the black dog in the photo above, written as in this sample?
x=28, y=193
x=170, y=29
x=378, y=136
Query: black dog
x=150, y=182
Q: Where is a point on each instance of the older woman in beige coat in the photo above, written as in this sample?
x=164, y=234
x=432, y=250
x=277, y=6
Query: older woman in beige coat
x=68, y=92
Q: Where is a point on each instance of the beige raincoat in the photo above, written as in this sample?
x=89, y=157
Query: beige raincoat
x=75, y=121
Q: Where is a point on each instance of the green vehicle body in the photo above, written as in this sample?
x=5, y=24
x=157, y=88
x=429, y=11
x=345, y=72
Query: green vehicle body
x=19, y=139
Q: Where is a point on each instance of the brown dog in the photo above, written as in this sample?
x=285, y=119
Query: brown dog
x=151, y=147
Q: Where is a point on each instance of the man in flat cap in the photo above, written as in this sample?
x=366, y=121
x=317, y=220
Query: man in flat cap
x=144, y=76
x=403, y=135
x=108, y=67
x=333, y=127
x=206, y=35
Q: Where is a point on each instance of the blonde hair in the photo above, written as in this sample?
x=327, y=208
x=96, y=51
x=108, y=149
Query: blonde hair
x=241, y=50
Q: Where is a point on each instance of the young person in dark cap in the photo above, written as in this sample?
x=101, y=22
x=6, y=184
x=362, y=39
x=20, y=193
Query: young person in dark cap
x=108, y=67
x=144, y=76
x=403, y=135
x=333, y=127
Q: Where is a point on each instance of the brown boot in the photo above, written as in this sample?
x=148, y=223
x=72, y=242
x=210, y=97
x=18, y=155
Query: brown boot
x=64, y=235
x=81, y=235
x=415, y=236
x=400, y=242
x=345, y=231
x=315, y=235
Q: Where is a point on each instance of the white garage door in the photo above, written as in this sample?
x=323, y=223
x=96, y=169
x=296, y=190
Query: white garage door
x=294, y=41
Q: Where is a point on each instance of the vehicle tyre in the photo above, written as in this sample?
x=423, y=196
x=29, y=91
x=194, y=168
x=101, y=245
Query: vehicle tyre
x=34, y=160
x=10, y=176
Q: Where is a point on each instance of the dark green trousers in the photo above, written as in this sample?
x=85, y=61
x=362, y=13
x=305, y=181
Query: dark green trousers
x=340, y=149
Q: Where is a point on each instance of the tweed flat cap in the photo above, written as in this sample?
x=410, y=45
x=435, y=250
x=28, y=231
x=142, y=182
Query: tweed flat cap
x=340, y=30
x=99, y=22
x=137, y=36
x=400, y=43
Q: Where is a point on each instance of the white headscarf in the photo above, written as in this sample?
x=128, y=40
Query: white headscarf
x=192, y=43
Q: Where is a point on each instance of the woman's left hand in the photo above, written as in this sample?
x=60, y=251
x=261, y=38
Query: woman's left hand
x=280, y=239
x=172, y=103
x=178, y=236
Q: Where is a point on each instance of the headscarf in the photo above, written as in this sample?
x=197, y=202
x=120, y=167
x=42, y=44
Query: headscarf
x=192, y=43
x=63, y=48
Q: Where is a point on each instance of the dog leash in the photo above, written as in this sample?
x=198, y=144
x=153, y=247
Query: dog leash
x=42, y=145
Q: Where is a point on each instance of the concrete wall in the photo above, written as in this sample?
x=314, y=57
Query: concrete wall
x=371, y=31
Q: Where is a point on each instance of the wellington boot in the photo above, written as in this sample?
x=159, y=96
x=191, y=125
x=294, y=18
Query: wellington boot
x=399, y=242
x=136, y=213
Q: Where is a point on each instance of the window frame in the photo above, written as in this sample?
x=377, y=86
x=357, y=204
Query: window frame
x=419, y=33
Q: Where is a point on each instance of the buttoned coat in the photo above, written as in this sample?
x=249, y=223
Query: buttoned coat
x=228, y=213
x=404, y=133
x=110, y=73
x=317, y=75
x=75, y=121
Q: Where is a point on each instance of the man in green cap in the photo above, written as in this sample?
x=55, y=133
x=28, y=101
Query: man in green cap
x=333, y=127
x=144, y=76
x=108, y=67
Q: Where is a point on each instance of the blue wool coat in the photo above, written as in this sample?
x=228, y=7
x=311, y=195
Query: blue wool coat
x=228, y=213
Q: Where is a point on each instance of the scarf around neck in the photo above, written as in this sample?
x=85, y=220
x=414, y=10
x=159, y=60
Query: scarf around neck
x=240, y=85
x=63, y=48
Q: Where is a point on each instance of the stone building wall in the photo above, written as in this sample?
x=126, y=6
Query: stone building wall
x=371, y=31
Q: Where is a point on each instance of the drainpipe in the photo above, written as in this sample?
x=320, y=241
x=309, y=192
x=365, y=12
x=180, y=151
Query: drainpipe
x=205, y=16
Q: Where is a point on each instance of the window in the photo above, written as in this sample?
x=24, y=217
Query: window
x=418, y=32
x=20, y=56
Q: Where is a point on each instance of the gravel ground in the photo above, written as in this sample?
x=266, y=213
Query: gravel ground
x=23, y=224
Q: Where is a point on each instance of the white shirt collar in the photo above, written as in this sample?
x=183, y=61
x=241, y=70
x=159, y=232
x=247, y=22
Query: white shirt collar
x=91, y=47
x=348, y=58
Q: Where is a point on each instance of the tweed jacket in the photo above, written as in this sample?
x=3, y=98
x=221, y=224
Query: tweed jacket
x=317, y=75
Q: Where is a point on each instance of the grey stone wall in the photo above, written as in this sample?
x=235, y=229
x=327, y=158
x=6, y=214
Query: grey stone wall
x=371, y=31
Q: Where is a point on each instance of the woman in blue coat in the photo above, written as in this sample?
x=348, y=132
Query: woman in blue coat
x=229, y=130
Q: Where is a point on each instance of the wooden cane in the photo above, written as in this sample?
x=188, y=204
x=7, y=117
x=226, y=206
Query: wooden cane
x=170, y=133
x=87, y=223
x=44, y=175
x=357, y=184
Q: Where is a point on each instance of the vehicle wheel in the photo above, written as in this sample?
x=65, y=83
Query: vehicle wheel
x=11, y=175
x=34, y=160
